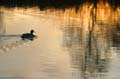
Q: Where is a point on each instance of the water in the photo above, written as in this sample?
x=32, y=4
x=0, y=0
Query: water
x=64, y=49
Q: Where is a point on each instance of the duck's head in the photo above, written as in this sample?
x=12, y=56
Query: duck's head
x=32, y=31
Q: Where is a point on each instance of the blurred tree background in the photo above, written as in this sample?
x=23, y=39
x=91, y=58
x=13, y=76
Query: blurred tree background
x=58, y=4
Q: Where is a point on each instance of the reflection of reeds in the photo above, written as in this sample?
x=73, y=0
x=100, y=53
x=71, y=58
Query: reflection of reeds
x=115, y=36
x=87, y=59
x=87, y=52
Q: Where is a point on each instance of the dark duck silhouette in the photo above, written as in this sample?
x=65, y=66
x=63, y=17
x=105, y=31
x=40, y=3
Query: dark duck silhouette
x=29, y=36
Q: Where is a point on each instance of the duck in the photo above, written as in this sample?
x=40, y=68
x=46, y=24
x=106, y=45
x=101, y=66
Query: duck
x=29, y=36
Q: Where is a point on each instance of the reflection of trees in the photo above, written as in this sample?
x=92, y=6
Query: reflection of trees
x=87, y=59
x=87, y=54
x=116, y=35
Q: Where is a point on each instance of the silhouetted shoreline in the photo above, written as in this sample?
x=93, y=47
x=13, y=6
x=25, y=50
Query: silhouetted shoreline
x=57, y=4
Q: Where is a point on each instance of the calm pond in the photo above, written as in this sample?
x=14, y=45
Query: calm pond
x=69, y=45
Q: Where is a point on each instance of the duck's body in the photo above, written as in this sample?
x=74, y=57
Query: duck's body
x=29, y=36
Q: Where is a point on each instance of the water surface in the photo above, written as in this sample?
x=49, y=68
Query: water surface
x=65, y=47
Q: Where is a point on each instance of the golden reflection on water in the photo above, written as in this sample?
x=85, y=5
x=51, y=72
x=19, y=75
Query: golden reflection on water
x=90, y=53
x=90, y=50
x=104, y=13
